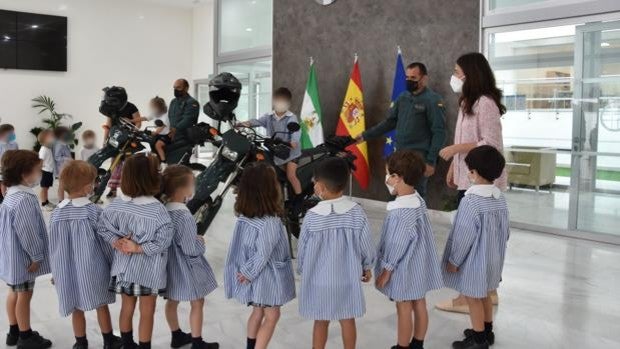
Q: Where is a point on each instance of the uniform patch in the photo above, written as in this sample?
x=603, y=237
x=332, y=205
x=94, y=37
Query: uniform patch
x=419, y=107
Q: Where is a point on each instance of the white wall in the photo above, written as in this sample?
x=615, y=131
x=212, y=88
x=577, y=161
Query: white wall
x=203, y=39
x=139, y=45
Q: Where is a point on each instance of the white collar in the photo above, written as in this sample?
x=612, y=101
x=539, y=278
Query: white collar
x=17, y=188
x=484, y=190
x=405, y=201
x=140, y=200
x=176, y=206
x=77, y=202
x=340, y=205
x=275, y=115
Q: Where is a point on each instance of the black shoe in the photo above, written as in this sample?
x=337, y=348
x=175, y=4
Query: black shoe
x=132, y=345
x=490, y=335
x=35, y=341
x=205, y=345
x=180, y=339
x=470, y=343
x=80, y=346
x=115, y=343
x=11, y=339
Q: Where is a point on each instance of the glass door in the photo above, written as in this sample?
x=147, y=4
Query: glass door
x=595, y=177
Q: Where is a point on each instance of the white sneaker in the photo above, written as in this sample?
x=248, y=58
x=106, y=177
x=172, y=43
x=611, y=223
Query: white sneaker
x=49, y=207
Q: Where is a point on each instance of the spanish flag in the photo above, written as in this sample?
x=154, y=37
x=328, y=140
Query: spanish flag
x=352, y=123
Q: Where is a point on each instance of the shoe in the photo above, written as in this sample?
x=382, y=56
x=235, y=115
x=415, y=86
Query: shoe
x=133, y=345
x=35, y=341
x=49, y=207
x=470, y=343
x=490, y=335
x=180, y=339
x=205, y=345
x=116, y=343
x=11, y=339
x=80, y=346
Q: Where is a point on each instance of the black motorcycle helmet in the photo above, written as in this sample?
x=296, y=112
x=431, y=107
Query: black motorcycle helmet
x=114, y=99
x=224, y=92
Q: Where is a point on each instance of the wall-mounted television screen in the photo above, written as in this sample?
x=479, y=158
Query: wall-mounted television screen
x=33, y=41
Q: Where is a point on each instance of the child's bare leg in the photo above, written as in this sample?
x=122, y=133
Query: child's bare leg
x=420, y=315
x=196, y=317
x=265, y=332
x=291, y=175
x=172, y=315
x=22, y=310
x=128, y=307
x=43, y=194
x=405, y=323
x=104, y=319
x=61, y=191
x=487, y=303
x=147, y=317
x=476, y=313
x=160, y=147
x=319, y=334
x=349, y=333
x=254, y=322
x=11, y=305
x=79, y=323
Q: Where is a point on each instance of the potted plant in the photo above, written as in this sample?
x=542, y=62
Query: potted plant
x=52, y=120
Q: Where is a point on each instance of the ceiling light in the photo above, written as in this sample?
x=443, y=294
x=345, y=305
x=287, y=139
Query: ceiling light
x=7, y=38
x=248, y=29
x=605, y=44
x=141, y=17
x=34, y=26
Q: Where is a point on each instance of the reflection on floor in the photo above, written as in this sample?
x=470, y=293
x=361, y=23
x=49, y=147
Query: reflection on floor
x=598, y=212
x=557, y=293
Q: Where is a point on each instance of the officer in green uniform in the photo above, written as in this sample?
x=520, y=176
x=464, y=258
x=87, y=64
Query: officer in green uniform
x=418, y=118
x=183, y=114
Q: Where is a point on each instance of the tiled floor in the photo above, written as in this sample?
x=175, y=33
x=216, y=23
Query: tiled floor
x=557, y=293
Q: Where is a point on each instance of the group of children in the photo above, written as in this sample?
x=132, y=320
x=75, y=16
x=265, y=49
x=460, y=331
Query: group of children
x=141, y=249
x=135, y=247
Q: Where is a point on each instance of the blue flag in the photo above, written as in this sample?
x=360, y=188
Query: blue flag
x=399, y=87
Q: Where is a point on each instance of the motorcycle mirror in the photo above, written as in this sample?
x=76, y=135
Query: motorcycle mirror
x=293, y=127
x=159, y=123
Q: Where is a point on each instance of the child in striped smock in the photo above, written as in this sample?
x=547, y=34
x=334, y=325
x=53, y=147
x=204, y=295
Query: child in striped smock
x=139, y=228
x=258, y=269
x=335, y=255
x=190, y=277
x=474, y=254
x=80, y=258
x=23, y=237
x=407, y=262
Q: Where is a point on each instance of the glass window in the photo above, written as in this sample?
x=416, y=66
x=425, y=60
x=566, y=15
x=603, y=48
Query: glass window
x=500, y=4
x=244, y=24
x=255, y=76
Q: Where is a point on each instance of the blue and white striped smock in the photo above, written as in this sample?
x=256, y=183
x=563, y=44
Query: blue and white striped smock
x=407, y=249
x=147, y=223
x=190, y=276
x=80, y=258
x=259, y=250
x=335, y=247
x=477, y=242
x=23, y=236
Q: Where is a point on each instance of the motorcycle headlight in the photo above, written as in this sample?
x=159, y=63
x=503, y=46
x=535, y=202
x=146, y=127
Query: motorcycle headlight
x=229, y=154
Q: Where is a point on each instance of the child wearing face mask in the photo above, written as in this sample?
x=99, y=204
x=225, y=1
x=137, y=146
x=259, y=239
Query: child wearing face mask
x=159, y=114
x=335, y=255
x=80, y=258
x=89, y=145
x=190, y=277
x=24, y=242
x=46, y=154
x=276, y=123
x=474, y=255
x=407, y=263
x=258, y=270
x=7, y=142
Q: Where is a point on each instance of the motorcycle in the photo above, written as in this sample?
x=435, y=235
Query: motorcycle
x=240, y=146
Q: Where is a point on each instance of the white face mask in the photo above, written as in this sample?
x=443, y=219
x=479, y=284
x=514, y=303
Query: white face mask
x=280, y=106
x=189, y=198
x=456, y=84
x=472, y=181
x=389, y=187
x=34, y=183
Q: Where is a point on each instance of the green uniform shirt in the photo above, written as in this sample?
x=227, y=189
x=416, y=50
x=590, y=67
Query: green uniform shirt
x=419, y=122
x=183, y=113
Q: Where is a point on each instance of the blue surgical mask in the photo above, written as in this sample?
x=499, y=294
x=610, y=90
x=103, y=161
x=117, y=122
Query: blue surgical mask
x=12, y=137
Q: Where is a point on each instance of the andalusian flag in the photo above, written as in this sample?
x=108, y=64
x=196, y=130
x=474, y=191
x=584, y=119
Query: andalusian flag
x=352, y=123
x=398, y=88
x=311, y=120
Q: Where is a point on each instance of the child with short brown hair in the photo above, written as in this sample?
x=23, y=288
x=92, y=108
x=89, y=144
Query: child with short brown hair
x=80, y=259
x=24, y=242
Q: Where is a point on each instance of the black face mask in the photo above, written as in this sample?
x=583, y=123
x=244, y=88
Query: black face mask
x=178, y=93
x=412, y=85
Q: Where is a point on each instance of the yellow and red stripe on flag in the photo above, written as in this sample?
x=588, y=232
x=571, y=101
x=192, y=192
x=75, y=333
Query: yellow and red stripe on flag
x=352, y=123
